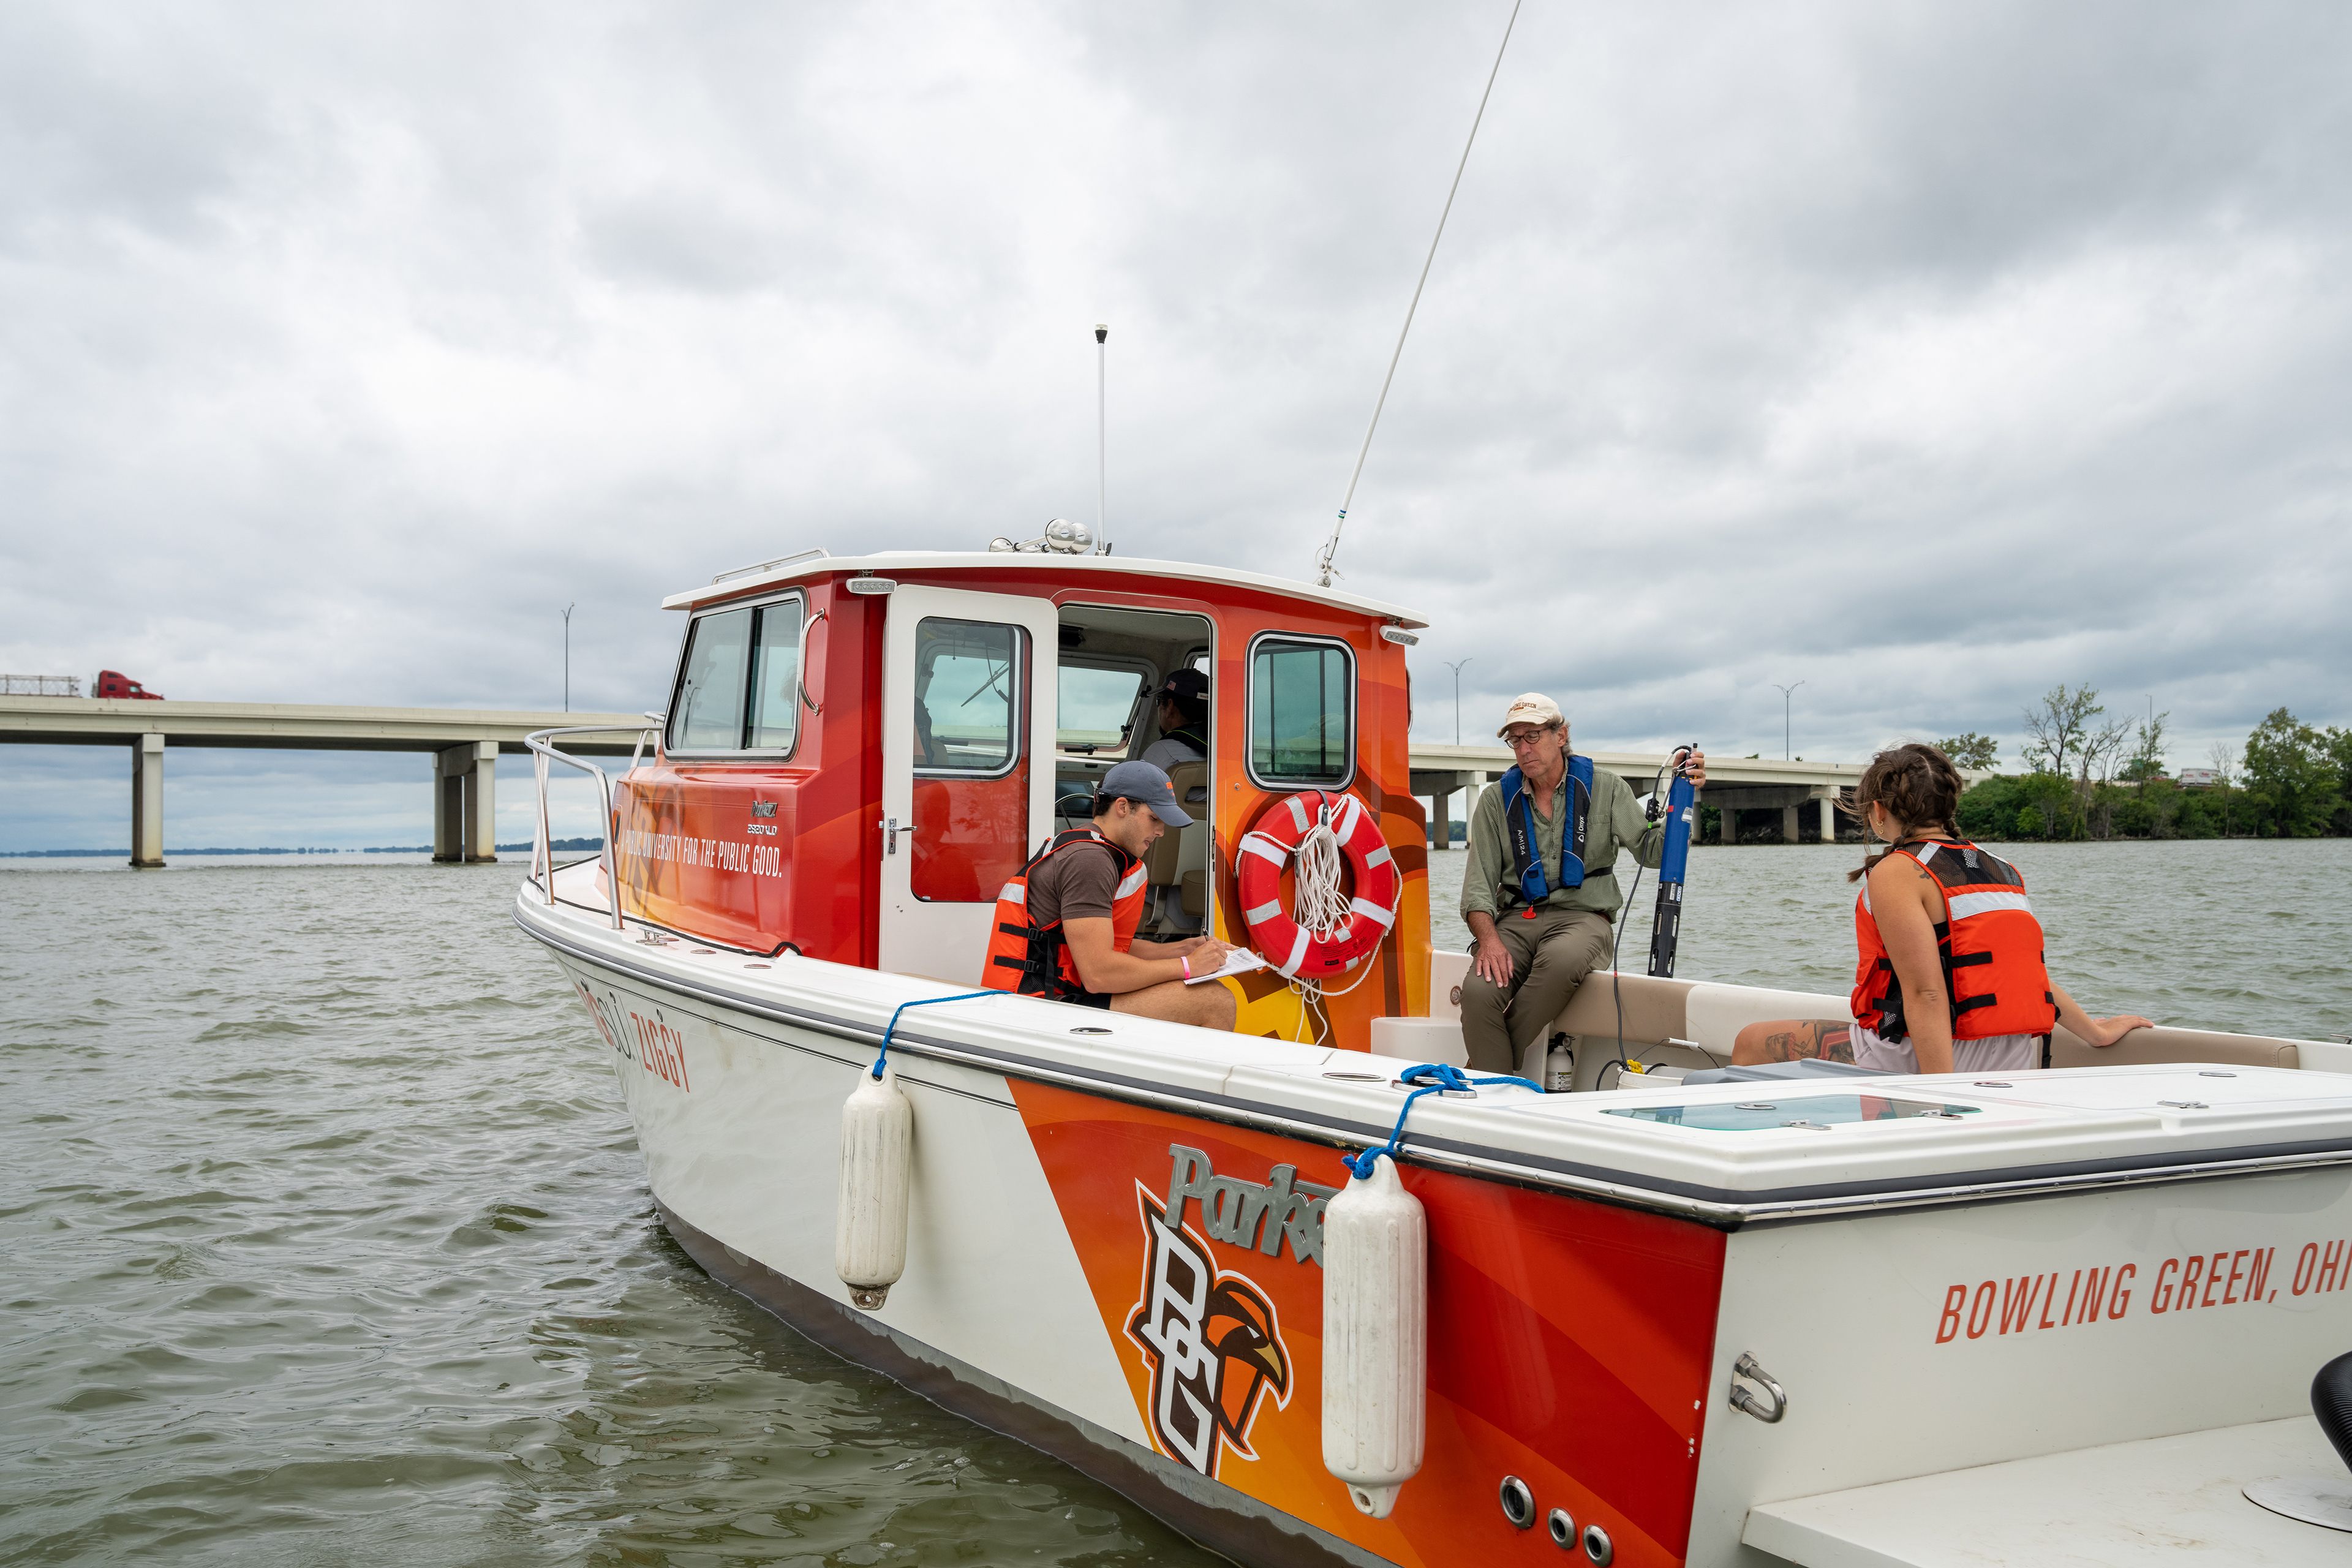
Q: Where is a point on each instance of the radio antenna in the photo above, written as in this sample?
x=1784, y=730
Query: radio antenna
x=1332, y=546
x=1102, y=448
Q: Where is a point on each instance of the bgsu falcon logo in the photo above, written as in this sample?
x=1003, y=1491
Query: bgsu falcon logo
x=1210, y=1336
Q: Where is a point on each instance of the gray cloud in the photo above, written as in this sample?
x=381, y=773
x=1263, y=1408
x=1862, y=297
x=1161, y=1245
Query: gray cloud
x=1930, y=356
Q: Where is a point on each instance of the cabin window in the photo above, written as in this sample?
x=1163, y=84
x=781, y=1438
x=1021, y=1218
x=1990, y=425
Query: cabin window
x=966, y=709
x=775, y=677
x=707, y=715
x=1302, y=711
x=1096, y=708
x=738, y=685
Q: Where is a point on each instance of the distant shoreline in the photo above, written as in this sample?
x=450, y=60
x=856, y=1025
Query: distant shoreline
x=566, y=845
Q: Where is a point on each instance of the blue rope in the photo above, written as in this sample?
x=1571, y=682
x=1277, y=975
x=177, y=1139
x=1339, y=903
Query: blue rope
x=1434, y=1077
x=884, y=1055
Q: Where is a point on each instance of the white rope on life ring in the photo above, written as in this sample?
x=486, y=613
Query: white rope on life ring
x=1325, y=932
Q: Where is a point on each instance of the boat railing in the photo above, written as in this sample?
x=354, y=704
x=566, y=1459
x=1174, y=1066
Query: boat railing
x=545, y=749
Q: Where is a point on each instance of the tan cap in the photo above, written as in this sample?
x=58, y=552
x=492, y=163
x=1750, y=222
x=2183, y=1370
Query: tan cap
x=1531, y=708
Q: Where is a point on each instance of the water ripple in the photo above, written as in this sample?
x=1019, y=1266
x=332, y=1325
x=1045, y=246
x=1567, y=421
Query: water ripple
x=329, y=1242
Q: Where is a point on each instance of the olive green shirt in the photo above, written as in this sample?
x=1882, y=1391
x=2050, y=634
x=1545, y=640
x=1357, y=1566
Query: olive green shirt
x=1616, y=823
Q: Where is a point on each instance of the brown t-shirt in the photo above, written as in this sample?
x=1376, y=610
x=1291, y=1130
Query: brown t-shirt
x=1080, y=883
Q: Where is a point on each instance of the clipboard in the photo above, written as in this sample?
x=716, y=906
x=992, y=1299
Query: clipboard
x=1240, y=961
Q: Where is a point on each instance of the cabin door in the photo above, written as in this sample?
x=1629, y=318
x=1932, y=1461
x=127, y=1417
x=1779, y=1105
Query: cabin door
x=968, y=717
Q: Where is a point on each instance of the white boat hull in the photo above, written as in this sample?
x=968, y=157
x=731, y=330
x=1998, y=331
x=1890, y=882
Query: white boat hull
x=1583, y=1337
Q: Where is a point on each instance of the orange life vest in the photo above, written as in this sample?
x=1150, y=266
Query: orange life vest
x=1036, y=960
x=1990, y=943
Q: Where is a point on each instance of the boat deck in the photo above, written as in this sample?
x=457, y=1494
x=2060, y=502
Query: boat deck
x=1727, y=1153
x=2177, y=1501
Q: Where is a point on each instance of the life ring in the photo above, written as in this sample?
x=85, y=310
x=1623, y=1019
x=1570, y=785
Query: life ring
x=1267, y=849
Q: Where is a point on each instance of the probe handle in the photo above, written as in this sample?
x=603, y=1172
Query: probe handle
x=1666, y=924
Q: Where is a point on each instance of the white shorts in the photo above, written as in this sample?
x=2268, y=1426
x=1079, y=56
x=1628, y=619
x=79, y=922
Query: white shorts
x=1995, y=1053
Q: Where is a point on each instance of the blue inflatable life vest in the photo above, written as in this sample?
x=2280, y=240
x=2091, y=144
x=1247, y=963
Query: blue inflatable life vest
x=1530, y=884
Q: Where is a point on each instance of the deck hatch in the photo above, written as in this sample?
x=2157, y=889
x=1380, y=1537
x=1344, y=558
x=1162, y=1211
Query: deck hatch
x=1810, y=1110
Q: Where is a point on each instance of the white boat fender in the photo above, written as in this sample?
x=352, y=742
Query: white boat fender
x=877, y=1169
x=1376, y=1312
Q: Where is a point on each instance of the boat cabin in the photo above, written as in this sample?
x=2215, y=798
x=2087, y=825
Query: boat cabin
x=858, y=753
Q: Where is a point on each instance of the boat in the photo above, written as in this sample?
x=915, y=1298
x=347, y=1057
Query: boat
x=2066, y=1315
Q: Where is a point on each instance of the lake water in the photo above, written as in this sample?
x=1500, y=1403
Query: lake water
x=328, y=1237
x=2253, y=937
x=328, y=1241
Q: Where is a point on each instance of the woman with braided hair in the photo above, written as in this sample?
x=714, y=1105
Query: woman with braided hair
x=1950, y=976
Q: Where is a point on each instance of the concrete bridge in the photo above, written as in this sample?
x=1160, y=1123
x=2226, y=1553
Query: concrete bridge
x=464, y=745
x=1799, y=791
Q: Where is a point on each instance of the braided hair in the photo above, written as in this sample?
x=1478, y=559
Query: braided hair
x=1918, y=785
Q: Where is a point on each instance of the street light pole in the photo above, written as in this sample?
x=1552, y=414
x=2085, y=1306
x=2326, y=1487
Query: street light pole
x=1455, y=666
x=567, y=655
x=1785, y=693
x=1102, y=441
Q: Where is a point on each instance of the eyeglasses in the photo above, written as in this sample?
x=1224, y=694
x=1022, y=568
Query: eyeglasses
x=1521, y=743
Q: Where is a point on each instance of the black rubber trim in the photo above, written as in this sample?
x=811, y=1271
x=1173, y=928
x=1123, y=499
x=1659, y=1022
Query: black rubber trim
x=1628, y=1187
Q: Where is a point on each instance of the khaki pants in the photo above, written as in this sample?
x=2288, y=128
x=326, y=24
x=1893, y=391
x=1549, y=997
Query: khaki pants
x=1551, y=956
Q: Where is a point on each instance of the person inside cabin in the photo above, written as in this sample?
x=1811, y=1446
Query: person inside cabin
x=1541, y=888
x=1064, y=928
x=1183, y=715
x=1949, y=976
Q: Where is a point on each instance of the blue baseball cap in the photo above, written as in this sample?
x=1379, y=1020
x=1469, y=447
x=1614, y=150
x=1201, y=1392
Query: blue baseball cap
x=1146, y=785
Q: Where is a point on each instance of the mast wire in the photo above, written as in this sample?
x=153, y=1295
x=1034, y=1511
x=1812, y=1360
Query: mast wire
x=1332, y=546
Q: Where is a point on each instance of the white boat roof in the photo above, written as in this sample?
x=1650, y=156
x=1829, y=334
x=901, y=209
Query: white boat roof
x=734, y=584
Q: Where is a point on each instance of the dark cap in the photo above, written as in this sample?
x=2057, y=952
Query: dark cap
x=1187, y=685
x=1145, y=785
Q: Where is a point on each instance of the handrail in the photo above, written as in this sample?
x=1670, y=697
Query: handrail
x=637, y=751
x=801, y=664
x=812, y=553
x=542, y=854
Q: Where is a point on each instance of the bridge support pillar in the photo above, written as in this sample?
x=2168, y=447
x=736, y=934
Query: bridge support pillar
x=1726, y=830
x=1465, y=789
x=1789, y=829
x=1440, y=785
x=465, y=802
x=1829, y=819
x=147, y=801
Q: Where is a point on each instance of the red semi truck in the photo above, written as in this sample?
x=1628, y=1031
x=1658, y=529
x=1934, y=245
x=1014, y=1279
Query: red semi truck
x=114, y=683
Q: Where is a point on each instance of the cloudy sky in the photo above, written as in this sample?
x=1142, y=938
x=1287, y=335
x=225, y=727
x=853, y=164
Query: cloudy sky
x=1929, y=356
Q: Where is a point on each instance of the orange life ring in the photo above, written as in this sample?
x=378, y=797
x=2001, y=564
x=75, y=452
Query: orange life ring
x=1267, y=849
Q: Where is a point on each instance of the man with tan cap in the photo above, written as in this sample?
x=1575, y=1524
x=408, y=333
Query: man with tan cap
x=1541, y=887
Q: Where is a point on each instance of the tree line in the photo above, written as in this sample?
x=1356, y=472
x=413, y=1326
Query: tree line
x=2088, y=776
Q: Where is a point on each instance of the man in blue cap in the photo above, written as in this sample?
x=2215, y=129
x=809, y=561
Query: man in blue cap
x=1065, y=927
